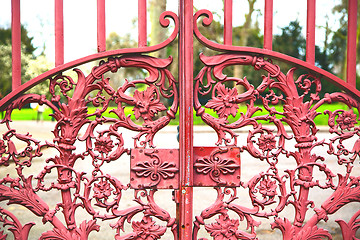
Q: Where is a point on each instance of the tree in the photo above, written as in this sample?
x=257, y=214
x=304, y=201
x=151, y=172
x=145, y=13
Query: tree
x=26, y=41
x=338, y=44
x=157, y=33
x=243, y=36
x=27, y=53
x=35, y=67
x=291, y=41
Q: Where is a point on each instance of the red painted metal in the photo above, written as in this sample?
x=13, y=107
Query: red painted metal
x=59, y=33
x=228, y=9
x=159, y=168
x=351, y=42
x=268, y=24
x=215, y=166
x=185, y=209
x=310, y=31
x=16, y=44
x=154, y=168
x=268, y=144
x=101, y=26
x=280, y=112
x=102, y=147
x=142, y=26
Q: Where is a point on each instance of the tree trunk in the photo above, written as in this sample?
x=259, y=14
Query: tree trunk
x=157, y=33
x=244, y=34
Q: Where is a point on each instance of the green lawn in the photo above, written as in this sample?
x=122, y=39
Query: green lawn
x=30, y=114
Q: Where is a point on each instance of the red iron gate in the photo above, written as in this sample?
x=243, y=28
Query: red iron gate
x=294, y=162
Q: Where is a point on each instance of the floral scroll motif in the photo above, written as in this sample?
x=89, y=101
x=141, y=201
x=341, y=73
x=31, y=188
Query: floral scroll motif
x=94, y=140
x=19, y=231
x=155, y=169
x=224, y=228
x=146, y=229
x=280, y=122
x=349, y=229
x=147, y=104
x=224, y=103
x=217, y=165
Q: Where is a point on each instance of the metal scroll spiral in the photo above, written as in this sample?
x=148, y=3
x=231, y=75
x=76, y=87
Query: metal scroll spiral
x=284, y=100
x=96, y=191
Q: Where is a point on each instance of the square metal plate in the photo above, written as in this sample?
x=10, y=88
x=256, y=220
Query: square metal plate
x=216, y=166
x=154, y=168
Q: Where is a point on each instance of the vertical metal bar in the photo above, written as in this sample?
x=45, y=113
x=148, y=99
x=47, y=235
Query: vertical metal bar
x=310, y=31
x=228, y=5
x=142, y=24
x=101, y=31
x=59, y=33
x=268, y=24
x=185, y=210
x=351, y=43
x=16, y=44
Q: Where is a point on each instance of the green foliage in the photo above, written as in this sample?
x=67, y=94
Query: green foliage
x=27, y=50
x=26, y=41
x=321, y=120
x=291, y=41
x=5, y=70
x=338, y=44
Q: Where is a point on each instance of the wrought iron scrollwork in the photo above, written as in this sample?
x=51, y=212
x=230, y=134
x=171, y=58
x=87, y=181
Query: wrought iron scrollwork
x=287, y=102
x=97, y=192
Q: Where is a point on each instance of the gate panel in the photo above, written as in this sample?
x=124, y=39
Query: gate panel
x=289, y=106
x=81, y=138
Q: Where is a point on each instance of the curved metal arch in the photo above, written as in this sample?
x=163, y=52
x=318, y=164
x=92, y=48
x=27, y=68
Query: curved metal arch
x=93, y=57
x=260, y=52
x=206, y=42
x=215, y=46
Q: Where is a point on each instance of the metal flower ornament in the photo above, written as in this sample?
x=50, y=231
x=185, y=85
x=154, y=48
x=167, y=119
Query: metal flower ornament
x=279, y=136
x=96, y=189
x=280, y=123
x=267, y=142
x=347, y=120
x=147, y=104
x=224, y=103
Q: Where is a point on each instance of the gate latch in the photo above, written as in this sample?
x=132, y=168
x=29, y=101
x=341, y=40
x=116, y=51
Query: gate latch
x=159, y=168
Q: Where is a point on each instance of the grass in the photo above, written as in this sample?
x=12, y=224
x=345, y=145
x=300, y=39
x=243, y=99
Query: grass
x=30, y=114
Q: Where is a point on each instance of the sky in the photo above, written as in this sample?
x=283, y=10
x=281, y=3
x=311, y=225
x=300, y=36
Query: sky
x=80, y=20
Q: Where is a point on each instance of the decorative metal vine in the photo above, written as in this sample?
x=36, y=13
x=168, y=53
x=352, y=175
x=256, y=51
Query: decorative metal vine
x=285, y=101
x=81, y=189
x=272, y=189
